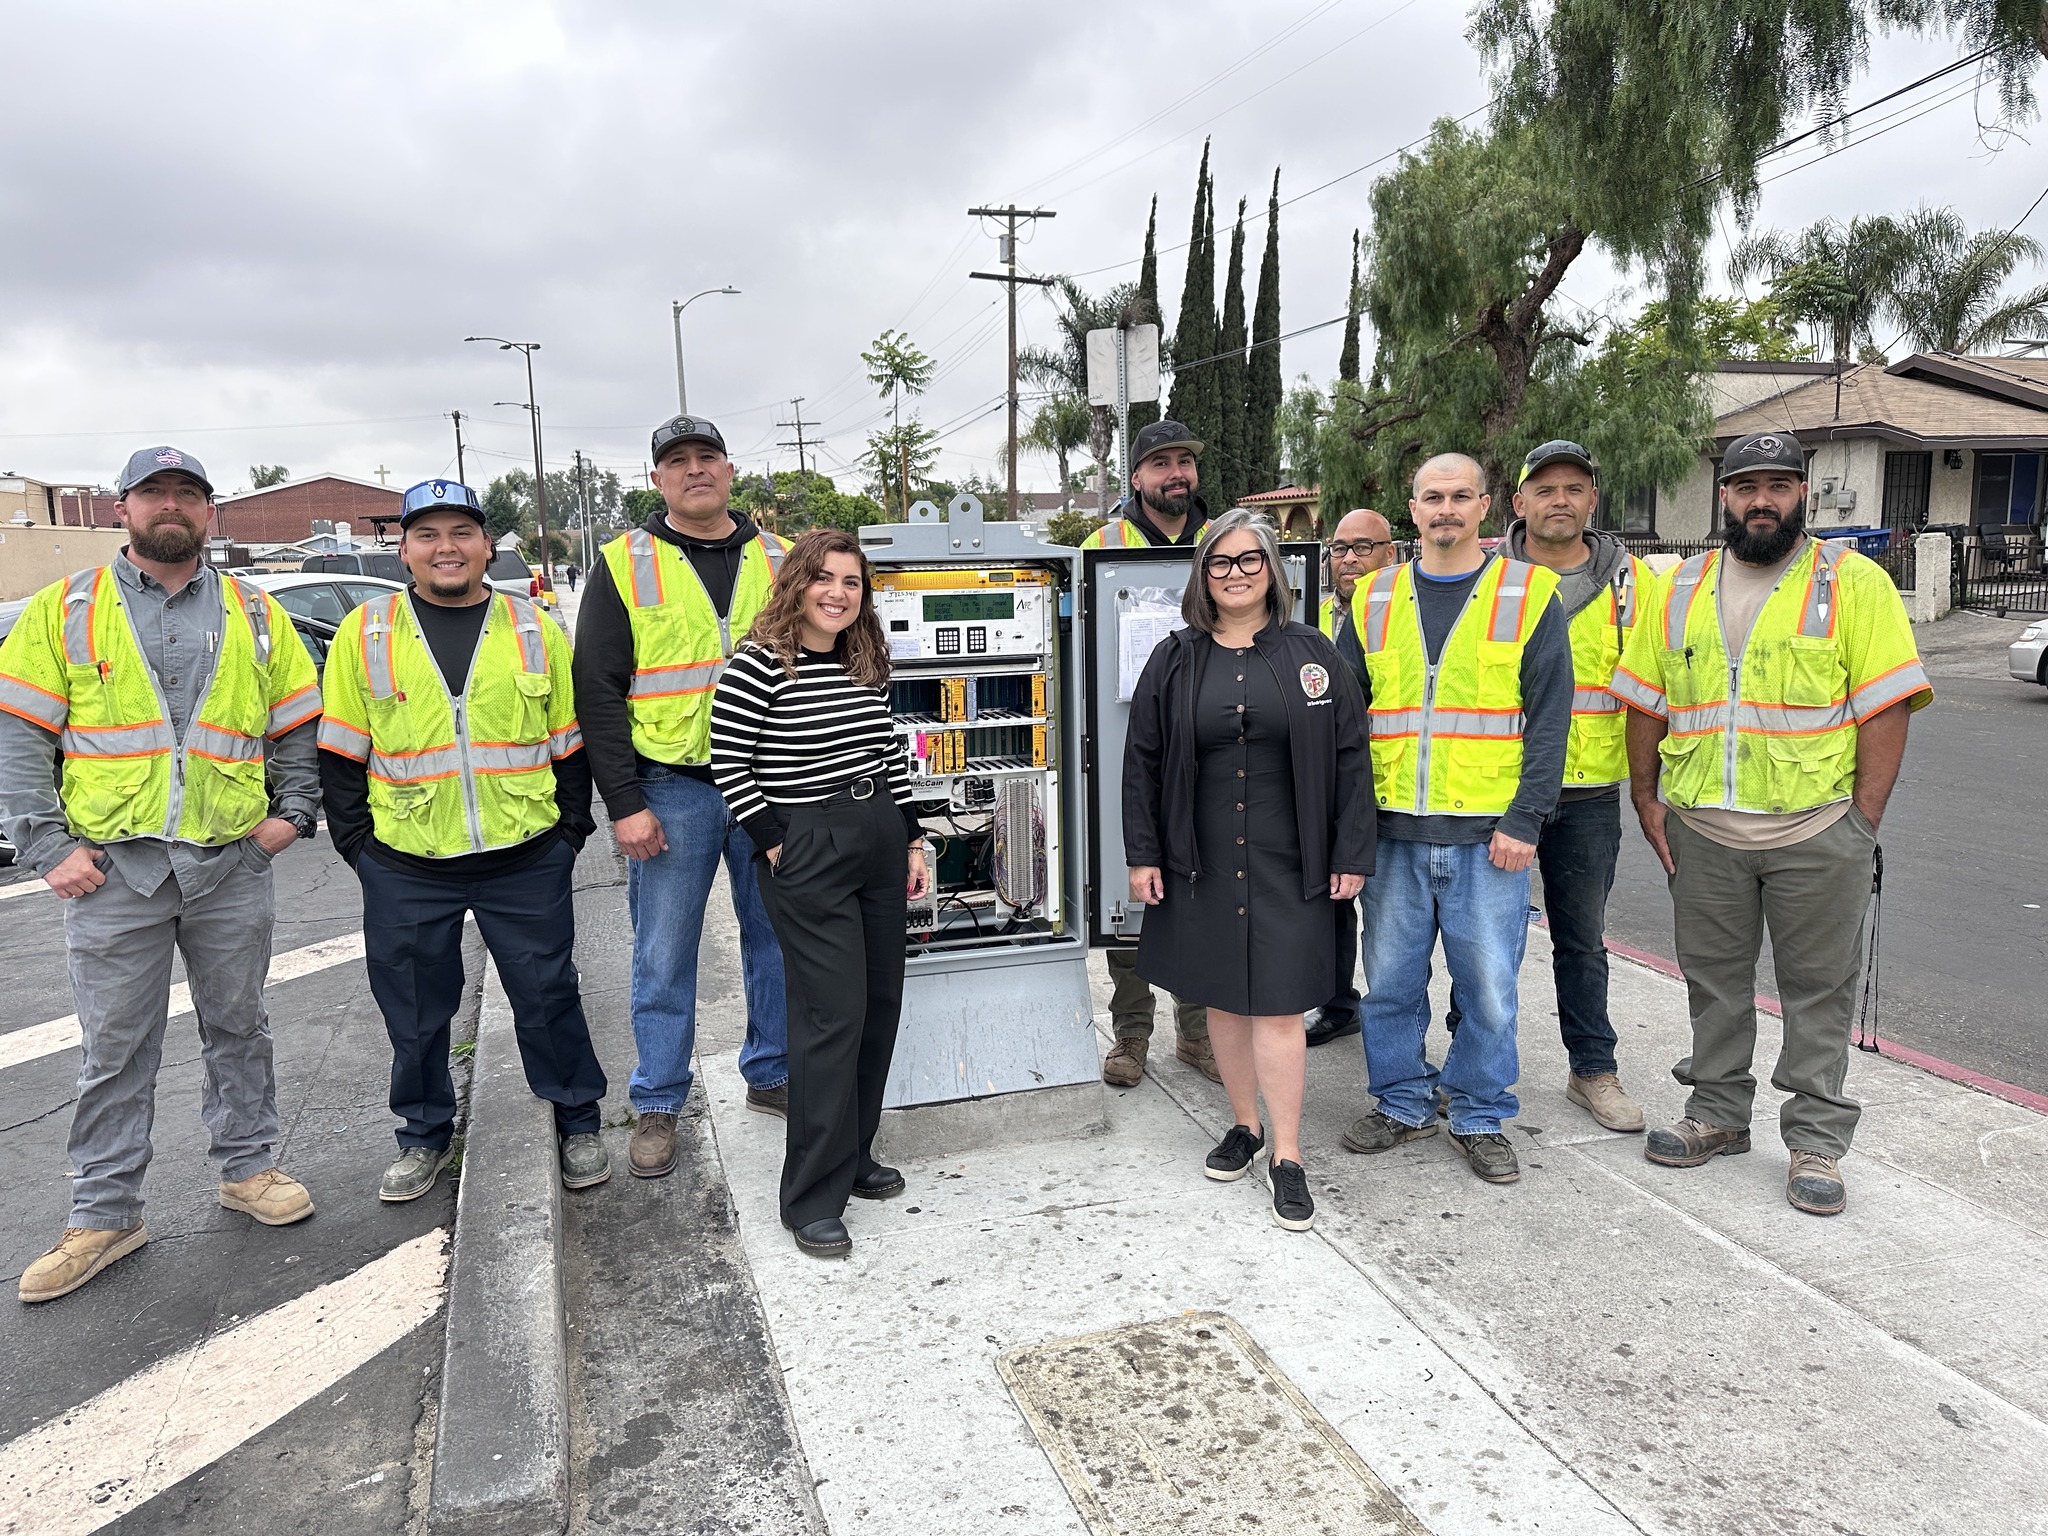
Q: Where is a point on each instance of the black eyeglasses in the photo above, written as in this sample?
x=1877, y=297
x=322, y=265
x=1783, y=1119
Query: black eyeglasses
x=1251, y=562
x=1340, y=548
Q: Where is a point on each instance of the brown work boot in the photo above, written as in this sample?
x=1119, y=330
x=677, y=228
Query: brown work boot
x=1814, y=1184
x=81, y=1253
x=273, y=1197
x=651, y=1153
x=1125, y=1063
x=1601, y=1097
x=1691, y=1142
x=1197, y=1054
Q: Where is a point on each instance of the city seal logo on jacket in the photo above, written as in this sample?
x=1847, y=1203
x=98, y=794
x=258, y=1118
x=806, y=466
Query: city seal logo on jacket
x=1315, y=680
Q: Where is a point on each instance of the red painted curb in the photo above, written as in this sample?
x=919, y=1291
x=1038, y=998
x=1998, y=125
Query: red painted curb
x=1998, y=1088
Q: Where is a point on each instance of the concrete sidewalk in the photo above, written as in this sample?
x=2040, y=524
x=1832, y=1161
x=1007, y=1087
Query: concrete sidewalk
x=1606, y=1346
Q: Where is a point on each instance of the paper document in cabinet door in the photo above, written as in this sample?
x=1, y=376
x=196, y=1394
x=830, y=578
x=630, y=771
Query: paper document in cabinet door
x=1144, y=617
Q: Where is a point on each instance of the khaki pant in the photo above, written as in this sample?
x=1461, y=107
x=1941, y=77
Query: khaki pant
x=1130, y=1002
x=1813, y=896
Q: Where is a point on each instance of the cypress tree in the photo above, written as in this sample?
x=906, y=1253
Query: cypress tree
x=1145, y=310
x=1229, y=463
x=1262, y=388
x=1195, y=334
x=1347, y=360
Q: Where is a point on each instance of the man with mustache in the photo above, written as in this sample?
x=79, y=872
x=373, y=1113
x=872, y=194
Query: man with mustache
x=1361, y=544
x=1768, y=695
x=1467, y=669
x=159, y=685
x=1163, y=509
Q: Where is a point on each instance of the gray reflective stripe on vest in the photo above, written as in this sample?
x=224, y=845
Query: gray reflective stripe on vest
x=1791, y=719
x=345, y=739
x=118, y=740
x=1510, y=600
x=1818, y=621
x=1685, y=585
x=414, y=767
x=223, y=746
x=1394, y=722
x=377, y=668
x=1470, y=722
x=1379, y=597
x=533, y=649
x=31, y=703
x=646, y=574
x=773, y=551
x=515, y=758
x=660, y=682
x=1696, y=719
x=1595, y=701
x=79, y=589
x=563, y=742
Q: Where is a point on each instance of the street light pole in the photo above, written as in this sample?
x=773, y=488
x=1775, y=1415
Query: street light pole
x=526, y=349
x=675, y=311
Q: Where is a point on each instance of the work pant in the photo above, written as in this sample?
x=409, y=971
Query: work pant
x=1813, y=896
x=119, y=948
x=667, y=895
x=1130, y=1002
x=836, y=898
x=1344, y=1001
x=1577, y=853
x=1419, y=891
x=412, y=937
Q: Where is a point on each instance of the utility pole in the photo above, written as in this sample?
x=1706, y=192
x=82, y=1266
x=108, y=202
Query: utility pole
x=1007, y=254
x=456, y=417
x=583, y=492
x=526, y=349
x=799, y=443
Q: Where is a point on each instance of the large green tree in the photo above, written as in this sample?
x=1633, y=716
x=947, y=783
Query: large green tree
x=1228, y=475
x=896, y=367
x=1833, y=276
x=1949, y=295
x=1262, y=386
x=1194, y=401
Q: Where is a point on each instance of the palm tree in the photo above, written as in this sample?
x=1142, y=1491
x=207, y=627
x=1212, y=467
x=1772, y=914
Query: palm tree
x=896, y=365
x=1064, y=369
x=1059, y=428
x=1834, y=276
x=1949, y=293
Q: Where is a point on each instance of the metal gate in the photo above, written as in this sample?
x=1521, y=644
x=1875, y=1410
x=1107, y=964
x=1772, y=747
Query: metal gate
x=1996, y=570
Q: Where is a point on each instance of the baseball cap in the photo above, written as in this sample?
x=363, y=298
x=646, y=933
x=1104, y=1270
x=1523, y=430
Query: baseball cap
x=438, y=496
x=1763, y=450
x=144, y=462
x=686, y=429
x=1163, y=434
x=1558, y=450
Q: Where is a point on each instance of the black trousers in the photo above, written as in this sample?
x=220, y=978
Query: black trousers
x=412, y=938
x=835, y=896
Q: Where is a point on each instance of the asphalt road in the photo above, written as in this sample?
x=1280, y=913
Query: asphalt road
x=1965, y=936
x=340, y=1463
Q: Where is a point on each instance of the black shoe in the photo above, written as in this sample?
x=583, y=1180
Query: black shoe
x=1490, y=1156
x=878, y=1183
x=1292, y=1206
x=1233, y=1156
x=770, y=1101
x=827, y=1239
x=1327, y=1024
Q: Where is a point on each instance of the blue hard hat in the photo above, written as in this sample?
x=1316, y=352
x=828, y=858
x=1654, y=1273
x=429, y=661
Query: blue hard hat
x=438, y=496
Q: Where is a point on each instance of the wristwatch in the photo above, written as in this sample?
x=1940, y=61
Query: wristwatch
x=301, y=821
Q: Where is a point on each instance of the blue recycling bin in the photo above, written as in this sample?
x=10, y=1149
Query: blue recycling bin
x=1868, y=541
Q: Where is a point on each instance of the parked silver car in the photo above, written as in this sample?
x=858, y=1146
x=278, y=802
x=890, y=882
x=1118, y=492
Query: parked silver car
x=2027, y=659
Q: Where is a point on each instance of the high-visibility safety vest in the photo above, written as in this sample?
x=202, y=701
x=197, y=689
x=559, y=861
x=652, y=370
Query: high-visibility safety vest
x=680, y=641
x=1122, y=533
x=1326, y=619
x=1773, y=730
x=451, y=774
x=1447, y=739
x=73, y=665
x=1597, y=752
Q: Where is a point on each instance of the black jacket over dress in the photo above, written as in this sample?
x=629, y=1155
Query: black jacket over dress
x=1251, y=760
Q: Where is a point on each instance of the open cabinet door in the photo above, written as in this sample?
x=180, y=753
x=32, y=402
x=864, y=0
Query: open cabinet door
x=1130, y=600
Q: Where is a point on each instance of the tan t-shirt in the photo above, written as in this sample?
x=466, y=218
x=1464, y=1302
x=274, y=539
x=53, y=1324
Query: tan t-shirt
x=1742, y=591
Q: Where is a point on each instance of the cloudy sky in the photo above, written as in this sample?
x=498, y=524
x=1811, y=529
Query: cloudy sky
x=262, y=231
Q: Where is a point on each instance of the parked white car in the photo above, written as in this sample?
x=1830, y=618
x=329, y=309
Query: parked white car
x=2027, y=659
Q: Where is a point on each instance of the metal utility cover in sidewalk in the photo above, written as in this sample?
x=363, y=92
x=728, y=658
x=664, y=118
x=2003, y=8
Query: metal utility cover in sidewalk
x=1185, y=1425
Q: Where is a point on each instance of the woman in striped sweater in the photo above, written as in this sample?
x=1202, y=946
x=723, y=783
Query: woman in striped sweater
x=802, y=751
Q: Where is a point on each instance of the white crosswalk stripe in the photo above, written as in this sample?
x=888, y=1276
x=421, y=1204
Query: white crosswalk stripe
x=86, y=1468
x=40, y=1040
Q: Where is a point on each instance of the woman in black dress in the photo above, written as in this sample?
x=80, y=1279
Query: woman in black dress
x=1247, y=810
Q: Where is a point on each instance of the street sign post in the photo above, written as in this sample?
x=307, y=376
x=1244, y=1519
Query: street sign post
x=1123, y=366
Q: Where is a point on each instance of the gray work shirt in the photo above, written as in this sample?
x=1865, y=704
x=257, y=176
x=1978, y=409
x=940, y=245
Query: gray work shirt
x=180, y=635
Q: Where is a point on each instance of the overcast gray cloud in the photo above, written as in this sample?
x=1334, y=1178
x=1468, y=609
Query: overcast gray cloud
x=263, y=231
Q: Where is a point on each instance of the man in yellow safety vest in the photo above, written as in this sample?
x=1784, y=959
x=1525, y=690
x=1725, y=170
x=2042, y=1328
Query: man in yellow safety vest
x=661, y=612
x=1164, y=507
x=160, y=686
x=456, y=784
x=1601, y=588
x=1768, y=687
x=1467, y=669
x=1361, y=544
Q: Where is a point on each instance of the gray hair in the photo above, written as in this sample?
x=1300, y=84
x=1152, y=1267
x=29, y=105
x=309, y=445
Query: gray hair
x=1199, y=608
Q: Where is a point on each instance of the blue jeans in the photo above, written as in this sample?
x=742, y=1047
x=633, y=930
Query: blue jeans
x=1417, y=891
x=1577, y=853
x=667, y=895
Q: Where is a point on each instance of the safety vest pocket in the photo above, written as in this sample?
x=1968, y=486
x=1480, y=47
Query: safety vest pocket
x=401, y=800
x=533, y=692
x=1500, y=674
x=395, y=724
x=1814, y=674
x=1808, y=771
x=224, y=798
x=107, y=803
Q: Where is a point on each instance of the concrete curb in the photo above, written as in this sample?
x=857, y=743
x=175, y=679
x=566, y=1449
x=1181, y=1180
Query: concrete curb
x=501, y=1460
